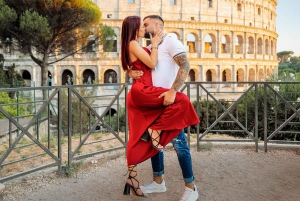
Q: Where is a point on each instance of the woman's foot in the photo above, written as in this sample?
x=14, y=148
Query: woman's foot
x=155, y=139
x=132, y=183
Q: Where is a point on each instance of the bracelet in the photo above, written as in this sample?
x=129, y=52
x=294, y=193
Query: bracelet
x=154, y=48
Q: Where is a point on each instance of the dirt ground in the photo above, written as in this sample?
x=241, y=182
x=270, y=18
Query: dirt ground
x=221, y=174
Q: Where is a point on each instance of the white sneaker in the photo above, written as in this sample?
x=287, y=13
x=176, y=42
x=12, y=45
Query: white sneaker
x=190, y=194
x=154, y=187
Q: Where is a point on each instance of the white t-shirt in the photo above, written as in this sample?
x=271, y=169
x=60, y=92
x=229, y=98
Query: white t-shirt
x=164, y=74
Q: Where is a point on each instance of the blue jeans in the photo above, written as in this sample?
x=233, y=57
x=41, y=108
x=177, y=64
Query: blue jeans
x=184, y=158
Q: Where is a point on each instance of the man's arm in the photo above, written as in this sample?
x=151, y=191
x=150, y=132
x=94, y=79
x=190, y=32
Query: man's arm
x=135, y=74
x=184, y=68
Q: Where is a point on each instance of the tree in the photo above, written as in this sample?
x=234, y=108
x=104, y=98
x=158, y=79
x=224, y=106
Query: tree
x=294, y=60
x=48, y=26
x=9, y=78
x=284, y=55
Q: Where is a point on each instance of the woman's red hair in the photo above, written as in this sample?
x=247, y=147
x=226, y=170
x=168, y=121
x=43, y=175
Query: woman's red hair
x=130, y=28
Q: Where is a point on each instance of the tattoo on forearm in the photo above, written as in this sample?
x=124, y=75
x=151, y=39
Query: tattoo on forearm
x=184, y=68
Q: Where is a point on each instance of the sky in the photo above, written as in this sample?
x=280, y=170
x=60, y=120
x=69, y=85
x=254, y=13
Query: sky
x=288, y=26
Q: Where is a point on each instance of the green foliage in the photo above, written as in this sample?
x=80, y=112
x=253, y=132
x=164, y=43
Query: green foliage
x=13, y=110
x=9, y=78
x=78, y=110
x=32, y=22
x=121, y=115
x=48, y=26
x=290, y=67
x=277, y=110
x=294, y=60
x=73, y=168
x=7, y=15
x=284, y=55
x=106, y=35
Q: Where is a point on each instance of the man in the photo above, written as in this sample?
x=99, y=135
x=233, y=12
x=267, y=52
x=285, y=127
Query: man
x=171, y=55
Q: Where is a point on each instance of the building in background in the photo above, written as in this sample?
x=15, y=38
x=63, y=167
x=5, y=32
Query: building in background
x=226, y=41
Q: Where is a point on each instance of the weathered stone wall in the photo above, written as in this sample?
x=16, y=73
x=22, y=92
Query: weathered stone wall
x=248, y=28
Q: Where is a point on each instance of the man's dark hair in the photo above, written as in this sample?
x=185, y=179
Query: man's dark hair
x=154, y=17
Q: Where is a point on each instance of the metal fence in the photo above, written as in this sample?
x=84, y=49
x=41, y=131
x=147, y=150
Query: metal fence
x=55, y=126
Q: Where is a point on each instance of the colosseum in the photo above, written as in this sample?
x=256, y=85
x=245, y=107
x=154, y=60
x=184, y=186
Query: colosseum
x=226, y=40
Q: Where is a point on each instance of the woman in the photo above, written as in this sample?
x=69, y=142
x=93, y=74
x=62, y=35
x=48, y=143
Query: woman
x=146, y=111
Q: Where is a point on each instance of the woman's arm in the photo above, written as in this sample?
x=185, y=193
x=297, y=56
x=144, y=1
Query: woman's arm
x=139, y=53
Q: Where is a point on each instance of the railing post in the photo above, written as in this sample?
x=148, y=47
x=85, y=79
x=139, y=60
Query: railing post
x=189, y=128
x=256, y=118
x=69, y=126
x=59, y=129
x=265, y=118
x=198, y=111
x=126, y=112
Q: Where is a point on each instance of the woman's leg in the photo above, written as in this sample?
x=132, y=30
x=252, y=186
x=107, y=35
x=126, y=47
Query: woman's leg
x=155, y=138
x=132, y=182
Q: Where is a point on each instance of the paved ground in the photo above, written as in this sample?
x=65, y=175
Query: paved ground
x=221, y=174
x=4, y=124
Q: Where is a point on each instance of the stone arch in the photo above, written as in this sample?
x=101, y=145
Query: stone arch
x=88, y=76
x=174, y=34
x=267, y=46
x=110, y=76
x=210, y=43
x=50, y=79
x=250, y=45
x=26, y=77
x=191, y=43
x=272, y=48
x=240, y=76
x=251, y=77
x=226, y=77
x=225, y=46
x=111, y=112
x=192, y=77
x=67, y=78
x=261, y=76
x=91, y=44
x=259, y=46
x=211, y=76
x=111, y=45
x=239, y=44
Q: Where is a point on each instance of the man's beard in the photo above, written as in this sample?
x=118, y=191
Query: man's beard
x=147, y=35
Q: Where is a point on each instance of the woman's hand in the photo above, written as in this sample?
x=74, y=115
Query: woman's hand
x=155, y=40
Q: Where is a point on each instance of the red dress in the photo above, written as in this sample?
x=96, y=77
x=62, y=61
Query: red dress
x=146, y=110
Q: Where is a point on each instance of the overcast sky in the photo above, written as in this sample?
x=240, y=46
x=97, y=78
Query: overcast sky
x=288, y=26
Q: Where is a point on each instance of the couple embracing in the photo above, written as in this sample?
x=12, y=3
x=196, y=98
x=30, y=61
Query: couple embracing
x=157, y=111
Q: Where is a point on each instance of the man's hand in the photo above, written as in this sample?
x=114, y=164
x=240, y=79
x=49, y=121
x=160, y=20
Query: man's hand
x=135, y=74
x=169, y=97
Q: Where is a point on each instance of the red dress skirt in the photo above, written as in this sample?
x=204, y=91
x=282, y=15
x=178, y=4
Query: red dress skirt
x=146, y=110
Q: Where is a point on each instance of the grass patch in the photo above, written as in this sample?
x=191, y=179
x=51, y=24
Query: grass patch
x=206, y=146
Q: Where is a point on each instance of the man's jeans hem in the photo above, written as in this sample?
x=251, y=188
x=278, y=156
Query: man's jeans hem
x=158, y=174
x=189, y=180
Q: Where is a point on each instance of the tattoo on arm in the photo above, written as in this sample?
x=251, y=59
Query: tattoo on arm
x=184, y=68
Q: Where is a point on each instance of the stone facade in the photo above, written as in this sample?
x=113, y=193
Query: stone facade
x=226, y=40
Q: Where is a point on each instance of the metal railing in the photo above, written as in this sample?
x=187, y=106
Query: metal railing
x=54, y=126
